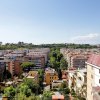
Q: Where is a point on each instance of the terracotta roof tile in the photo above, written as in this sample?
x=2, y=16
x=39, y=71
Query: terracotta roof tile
x=57, y=97
x=94, y=59
x=63, y=76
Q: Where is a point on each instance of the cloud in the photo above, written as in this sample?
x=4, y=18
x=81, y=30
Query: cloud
x=88, y=38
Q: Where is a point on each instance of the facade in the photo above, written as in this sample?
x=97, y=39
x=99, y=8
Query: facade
x=77, y=57
x=2, y=68
x=33, y=75
x=77, y=80
x=38, y=53
x=57, y=83
x=50, y=76
x=14, y=67
x=39, y=61
x=93, y=77
x=78, y=61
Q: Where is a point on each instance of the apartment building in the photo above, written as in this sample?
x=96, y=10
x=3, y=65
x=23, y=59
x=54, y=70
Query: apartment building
x=14, y=67
x=50, y=75
x=77, y=80
x=78, y=61
x=93, y=77
x=41, y=52
x=76, y=57
x=16, y=55
x=38, y=60
x=2, y=67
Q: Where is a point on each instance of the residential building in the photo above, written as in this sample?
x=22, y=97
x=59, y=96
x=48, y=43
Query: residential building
x=39, y=61
x=16, y=55
x=93, y=77
x=40, y=52
x=3, y=66
x=78, y=61
x=56, y=83
x=33, y=75
x=50, y=75
x=14, y=67
x=77, y=80
x=76, y=57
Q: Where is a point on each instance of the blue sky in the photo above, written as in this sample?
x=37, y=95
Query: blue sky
x=50, y=21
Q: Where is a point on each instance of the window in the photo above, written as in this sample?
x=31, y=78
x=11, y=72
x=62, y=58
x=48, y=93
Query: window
x=92, y=76
x=99, y=80
x=79, y=78
x=99, y=70
x=92, y=67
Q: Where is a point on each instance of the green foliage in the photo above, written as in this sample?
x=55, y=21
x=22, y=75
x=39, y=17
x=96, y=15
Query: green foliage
x=21, y=96
x=24, y=89
x=55, y=58
x=6, y=74
x=27, y=90
x=35, y=88
x=41, y=72
x=59, y=73
x=9, y=92
x=47, y=95
x=41, y=77
x=63, y=85
x=27, y=64
x=52, y=46
x=66, y=90
x=63, y=64
x=73, y=92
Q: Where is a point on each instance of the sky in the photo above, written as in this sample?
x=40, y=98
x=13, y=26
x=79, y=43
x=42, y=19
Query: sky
x=50, y=21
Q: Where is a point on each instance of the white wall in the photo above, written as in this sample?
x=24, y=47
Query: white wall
x=96, y=76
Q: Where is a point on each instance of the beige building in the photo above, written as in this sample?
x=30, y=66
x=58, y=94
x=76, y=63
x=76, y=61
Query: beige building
x=33, y=75
x=93, y=77
x=50, y=76
x=76, y=57
x=77, y=79
x=78, y=61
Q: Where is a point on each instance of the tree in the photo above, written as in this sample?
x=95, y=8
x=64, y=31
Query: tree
x=63, y=64
x=24, y=89
x=35, y=88
x=9, y=92
x=53, y=61
x=59, y=56
x=63, y=85
x=47, y=95
x=41, y=77
x=8, y=74
x=27, y=66
x=66, y=90
x=59, y=74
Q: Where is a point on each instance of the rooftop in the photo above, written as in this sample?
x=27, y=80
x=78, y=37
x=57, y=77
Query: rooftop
x=94, y=59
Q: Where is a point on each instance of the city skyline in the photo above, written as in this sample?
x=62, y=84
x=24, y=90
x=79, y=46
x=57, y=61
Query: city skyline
x=50, y=21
